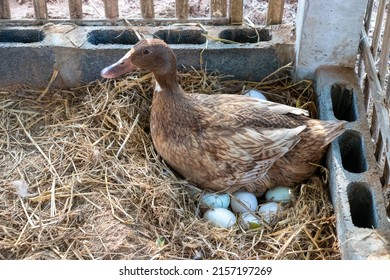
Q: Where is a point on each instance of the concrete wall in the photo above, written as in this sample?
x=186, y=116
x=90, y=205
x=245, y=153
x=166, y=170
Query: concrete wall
x=29, y=55
x=328, y=34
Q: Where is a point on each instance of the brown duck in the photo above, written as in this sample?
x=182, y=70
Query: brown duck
x=226, y=142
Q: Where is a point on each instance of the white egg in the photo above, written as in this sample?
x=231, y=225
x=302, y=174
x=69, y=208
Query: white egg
x=220, y=217
x=247, y=198
x=213, y=200
x=279, y=194
x=269, y=211
x=249, y=221
x=255, y=93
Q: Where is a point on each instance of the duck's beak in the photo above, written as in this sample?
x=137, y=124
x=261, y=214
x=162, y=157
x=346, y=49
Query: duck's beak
x=123, y=66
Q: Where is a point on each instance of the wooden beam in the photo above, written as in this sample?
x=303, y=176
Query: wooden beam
x=111, y=9
x=5, y=12
x=120, y=22
x=182, y=9
x=218, y=8
x=147, y=9
x=75, y=9
x=236, y=11
x=40, y=9
x=275, y=12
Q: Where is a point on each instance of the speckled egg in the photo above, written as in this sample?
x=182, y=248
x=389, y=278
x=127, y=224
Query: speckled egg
x=247, y=198
x=220, y=217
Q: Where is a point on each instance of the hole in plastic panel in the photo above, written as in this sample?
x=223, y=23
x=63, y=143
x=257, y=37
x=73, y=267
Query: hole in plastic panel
x=21, y=36
x=344, y=102
x=186, y=36
x=352, y=152
x=361, y=206
x=122, y=37
x=246, y=35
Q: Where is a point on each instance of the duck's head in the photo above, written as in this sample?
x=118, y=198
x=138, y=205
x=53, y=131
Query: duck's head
x=149, y=54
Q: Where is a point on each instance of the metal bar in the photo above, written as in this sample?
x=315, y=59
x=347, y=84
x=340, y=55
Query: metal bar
x=111, y=9
x=367, y=19
x=378, y=28
x=275, y=12
x=370, y=66
x=388, y=92
x=5, y=11
x=236, y=11
x=386, y=174
x=218, y=8
x=382, y=114
x=40, y=9
x=147, y=9
x=366, y=88
x=384, y=56
x=75, y=9
x=379, y=148
x=374, y=128
x=182, y=9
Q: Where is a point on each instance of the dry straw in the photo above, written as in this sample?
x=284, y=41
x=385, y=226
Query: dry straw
x=80, y=179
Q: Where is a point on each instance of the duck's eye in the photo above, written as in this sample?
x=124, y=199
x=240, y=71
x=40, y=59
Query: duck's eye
x=146, y=52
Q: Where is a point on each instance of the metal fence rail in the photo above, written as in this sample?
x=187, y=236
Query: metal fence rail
x=227, y=12
x=374, y=74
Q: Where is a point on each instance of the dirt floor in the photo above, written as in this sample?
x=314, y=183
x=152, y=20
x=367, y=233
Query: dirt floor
x=255, y=10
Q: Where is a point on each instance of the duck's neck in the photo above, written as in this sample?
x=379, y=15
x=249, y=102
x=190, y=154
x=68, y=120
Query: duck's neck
x=167, y=83
x=170, y=100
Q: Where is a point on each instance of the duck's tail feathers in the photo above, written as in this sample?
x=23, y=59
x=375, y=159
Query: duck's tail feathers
x=333, y=130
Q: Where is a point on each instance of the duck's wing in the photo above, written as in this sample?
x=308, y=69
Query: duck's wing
x=245, y=154
x=244, y=105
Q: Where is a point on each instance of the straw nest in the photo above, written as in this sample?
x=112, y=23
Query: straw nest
x=79, y=179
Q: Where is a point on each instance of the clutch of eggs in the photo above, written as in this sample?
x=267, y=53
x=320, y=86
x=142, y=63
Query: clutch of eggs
x=245, y=204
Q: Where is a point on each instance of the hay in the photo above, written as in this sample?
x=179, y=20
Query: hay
x=79, y=179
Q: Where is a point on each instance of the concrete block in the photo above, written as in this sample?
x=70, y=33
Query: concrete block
x=30, y=54
x=362, y=225
x=24, y=58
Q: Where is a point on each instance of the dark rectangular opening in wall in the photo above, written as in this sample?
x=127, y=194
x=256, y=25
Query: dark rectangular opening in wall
x=246, y=35
x=185, y=36
x=344, y=102
x=352, y=152
x=361, y=206
x=122, y=37
x=21, y=36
